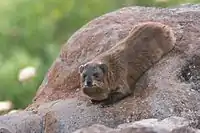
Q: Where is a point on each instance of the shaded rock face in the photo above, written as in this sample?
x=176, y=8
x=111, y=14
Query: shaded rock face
x=169, y=88
x=190, y=72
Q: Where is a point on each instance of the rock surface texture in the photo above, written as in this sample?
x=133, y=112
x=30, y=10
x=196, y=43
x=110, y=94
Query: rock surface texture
x=168, y=125
x=170, y=88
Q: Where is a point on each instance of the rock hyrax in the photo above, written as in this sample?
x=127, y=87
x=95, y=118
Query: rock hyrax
x=112, y=75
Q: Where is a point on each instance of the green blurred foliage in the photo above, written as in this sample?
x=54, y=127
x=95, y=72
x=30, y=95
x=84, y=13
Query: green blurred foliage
x=32, y=32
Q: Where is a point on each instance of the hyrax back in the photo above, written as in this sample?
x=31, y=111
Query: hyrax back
x=146, y=44
x=112, y=75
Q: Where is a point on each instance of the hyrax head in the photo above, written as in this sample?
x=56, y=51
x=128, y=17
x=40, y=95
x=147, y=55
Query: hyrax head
x=93, y=83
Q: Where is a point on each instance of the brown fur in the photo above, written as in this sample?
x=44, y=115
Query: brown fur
x=121, y=66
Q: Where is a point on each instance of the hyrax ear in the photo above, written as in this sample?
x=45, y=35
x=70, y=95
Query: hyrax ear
x=104, y=67
x=81, y=68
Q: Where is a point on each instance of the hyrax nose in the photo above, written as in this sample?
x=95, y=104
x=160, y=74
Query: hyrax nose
x=89, y=83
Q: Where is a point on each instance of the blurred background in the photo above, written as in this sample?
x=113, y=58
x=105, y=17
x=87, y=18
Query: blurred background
x=32, y=33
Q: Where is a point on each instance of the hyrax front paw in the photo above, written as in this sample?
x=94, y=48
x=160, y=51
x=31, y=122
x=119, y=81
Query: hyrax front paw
x=95, y=101
x=115, y=97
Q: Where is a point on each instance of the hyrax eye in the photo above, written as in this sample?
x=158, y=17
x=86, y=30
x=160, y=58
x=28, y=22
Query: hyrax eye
x=96, y=75
x=84, y=76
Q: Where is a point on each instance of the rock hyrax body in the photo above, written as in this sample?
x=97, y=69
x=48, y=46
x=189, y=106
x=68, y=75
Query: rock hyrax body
x=112, y=75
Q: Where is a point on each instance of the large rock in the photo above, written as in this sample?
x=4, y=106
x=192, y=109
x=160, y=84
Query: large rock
x=169, y=88
x=163, y=91
x=168, y=125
